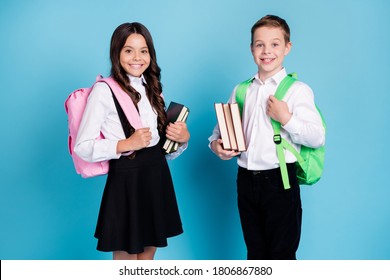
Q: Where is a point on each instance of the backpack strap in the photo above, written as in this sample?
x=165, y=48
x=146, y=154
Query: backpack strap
x=281, y=143
x=125, y=102
x=241, y=93
x=127, y=128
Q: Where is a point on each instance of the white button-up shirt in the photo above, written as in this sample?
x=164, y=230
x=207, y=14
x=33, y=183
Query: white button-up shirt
x=305, y=126
x=100, y=115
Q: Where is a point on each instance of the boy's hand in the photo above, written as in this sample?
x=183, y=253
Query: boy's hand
x=178, y=132
x=217, y=148
x=278, y=110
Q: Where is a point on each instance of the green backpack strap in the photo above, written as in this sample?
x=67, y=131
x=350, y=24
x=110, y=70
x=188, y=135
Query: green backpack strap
x=241, y=93
x=243, y=88
x=284, y=85
x=282, y=144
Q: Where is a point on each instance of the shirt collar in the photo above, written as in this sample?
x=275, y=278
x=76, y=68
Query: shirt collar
x=137, y=80
x=277, y=78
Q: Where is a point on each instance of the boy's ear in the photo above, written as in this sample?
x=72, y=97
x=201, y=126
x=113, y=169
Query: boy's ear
x=288, y=48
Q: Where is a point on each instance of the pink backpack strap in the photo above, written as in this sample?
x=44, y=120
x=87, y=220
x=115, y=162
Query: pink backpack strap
x=125, y=102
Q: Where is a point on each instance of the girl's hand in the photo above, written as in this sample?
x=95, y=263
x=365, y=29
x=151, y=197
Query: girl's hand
x=278, y=110
x=217, y=148
x=178, y=132
x=139, y=139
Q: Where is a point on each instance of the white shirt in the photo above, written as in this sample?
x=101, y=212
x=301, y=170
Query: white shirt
x=305, y=126
x=100, y=115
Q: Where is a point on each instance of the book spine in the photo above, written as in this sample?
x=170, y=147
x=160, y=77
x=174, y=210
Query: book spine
x=230, y=127
x=222, y=126
x=237, y=123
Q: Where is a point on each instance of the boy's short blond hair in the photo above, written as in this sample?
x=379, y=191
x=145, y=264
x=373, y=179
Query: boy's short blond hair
x=272, y=21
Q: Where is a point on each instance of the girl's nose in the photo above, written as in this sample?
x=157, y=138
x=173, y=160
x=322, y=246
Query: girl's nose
x=136, y=56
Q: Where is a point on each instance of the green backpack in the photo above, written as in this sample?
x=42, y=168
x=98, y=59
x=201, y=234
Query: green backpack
x=310, y=161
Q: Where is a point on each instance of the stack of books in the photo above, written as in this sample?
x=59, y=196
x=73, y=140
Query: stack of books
x=230, y=126
x=175, y=112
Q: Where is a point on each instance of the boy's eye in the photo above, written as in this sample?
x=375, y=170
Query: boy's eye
x=275, y=45
x=259, y=45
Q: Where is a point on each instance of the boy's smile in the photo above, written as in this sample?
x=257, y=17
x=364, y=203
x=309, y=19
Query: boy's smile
x=267, y=60
x=269, y=49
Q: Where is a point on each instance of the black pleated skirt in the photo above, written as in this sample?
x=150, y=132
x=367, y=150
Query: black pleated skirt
x=138, y=207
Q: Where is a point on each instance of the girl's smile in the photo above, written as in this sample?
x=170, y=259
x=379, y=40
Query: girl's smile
x=134, y=56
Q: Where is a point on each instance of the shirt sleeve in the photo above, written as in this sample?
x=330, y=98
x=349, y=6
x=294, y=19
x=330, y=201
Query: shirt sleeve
x=179, y=151
x=88, y=145
x=305, y=126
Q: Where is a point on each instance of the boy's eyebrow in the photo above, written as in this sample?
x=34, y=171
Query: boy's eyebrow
x=278, y=39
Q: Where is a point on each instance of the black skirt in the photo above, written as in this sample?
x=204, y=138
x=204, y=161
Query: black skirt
x=138, y=207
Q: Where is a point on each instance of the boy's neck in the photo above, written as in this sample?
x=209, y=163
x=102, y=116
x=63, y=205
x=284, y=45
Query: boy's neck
x=265, y=76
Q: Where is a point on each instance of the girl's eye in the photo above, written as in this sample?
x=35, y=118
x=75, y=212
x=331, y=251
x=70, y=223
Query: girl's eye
x=145, y=51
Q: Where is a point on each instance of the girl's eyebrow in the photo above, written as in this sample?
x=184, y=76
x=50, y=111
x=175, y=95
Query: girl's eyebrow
x=131, y=47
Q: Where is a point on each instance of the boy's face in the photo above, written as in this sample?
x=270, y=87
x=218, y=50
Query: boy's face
x=269, y=49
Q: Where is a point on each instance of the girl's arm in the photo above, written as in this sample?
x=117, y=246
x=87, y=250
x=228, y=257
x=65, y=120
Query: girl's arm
x=138, y=140
x=178, y=132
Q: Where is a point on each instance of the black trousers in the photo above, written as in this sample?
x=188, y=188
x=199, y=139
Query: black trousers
x=270, y=216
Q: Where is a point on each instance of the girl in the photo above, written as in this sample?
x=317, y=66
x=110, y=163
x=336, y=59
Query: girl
x=138, y=211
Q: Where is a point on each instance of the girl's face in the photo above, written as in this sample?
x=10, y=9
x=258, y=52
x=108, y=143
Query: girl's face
x=269, y=49
x=134, y=56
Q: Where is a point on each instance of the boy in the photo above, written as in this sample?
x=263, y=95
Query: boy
x=270, y=215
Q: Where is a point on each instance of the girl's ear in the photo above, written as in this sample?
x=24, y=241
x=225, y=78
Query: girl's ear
x=287, y=48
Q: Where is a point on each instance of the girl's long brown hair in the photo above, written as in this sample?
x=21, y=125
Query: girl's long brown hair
x=152, y=74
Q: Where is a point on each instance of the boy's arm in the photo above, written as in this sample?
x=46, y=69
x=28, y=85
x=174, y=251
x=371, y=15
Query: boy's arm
x=305, y=125
x=217, y=148
x=215, y=141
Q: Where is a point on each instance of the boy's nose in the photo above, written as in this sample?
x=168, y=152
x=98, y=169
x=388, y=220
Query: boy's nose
x=266, y=50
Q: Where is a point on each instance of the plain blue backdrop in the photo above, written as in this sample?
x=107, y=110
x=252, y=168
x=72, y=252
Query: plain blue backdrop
x=50, y=48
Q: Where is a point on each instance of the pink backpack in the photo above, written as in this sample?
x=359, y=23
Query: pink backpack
x=74, y=107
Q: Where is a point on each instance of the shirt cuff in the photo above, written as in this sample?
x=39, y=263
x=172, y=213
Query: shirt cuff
x=179, y=151
x=112, y=146
x=292, y=126
x=126, y=153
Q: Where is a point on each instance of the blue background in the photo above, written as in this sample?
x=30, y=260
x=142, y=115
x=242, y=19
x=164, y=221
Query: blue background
x=50, y=48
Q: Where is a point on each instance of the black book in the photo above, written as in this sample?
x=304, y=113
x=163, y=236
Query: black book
x=175, y=112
